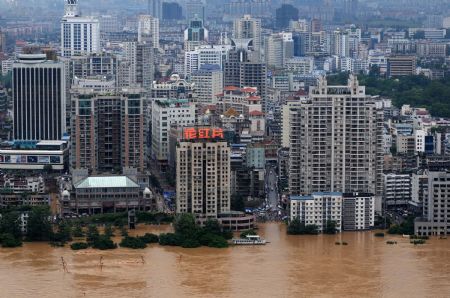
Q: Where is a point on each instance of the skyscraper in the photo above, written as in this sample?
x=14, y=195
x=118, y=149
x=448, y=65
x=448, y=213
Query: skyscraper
x=335, y=141
x=284, y=14
x=195, y=35
x=171, y=11
x=239, y=71
x=203, y=172
x=39, y=98
x=148, y=30
x=279, y=48
x=155, y=8
x=79, y=35
x=108, y=130
x=2, y=41
x=138, y=65
x=248, y=28
x=208, y=82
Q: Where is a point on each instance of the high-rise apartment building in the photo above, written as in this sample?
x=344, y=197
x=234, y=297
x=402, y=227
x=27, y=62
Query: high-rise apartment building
x=79, y=35
x=2, y=42
x=138, y=66
x=284, y=15
x=203, y=172
x=107, y=130
x=172, y=11
x=436, y=215
x=202, y=55
x=39, y=98
x=155, y=8
x=194, y=8
x=208, y=82
x=148, y=30
x=167, y=112
x=249, y=28
x=336, y=141
x=279, y=48
x=239, y=71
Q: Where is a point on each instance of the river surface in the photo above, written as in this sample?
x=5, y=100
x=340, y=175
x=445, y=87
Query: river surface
x=290, y=266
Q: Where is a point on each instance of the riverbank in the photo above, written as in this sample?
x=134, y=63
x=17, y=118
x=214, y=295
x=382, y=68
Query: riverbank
x=290, y=266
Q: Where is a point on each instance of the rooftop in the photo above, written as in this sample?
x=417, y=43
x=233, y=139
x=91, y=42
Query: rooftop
x=106, y=181
x=311, y=196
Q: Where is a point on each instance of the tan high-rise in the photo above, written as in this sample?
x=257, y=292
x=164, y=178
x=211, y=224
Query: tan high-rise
x=203, y=177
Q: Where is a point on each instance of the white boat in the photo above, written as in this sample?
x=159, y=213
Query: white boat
x=249, y=240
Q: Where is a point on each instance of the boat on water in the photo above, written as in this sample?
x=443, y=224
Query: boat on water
x=249, y=240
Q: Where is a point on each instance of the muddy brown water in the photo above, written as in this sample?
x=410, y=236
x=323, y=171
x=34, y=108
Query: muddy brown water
x=290, y=266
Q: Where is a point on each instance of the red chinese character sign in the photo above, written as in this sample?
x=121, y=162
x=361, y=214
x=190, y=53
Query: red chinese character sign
x=202, y=133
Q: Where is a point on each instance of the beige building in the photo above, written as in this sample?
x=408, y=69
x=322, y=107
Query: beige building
x=203, y=173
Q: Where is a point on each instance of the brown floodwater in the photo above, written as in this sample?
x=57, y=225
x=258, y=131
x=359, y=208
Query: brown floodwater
x=290, y=266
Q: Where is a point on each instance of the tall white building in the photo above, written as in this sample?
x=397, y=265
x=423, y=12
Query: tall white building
x=279, y=48
x=340, y=43
x=167, y=112
x=436, y=216
x=203, y=173
x=336, y=141
x=79, y=35
x=208, y=82
x=155, y=8
x=248, y=28
x=202, y=55
x=397, y=190
x=148, y=30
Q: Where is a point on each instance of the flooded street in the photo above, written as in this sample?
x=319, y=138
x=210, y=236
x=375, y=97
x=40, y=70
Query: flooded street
x=290, y=266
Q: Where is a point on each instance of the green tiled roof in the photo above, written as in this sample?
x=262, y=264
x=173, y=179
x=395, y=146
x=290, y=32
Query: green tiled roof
x=106, y=181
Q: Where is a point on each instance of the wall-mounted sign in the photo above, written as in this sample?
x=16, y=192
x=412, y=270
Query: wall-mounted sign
x=202, y=133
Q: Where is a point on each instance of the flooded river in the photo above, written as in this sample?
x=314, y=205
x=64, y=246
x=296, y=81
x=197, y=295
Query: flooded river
x=290, y=266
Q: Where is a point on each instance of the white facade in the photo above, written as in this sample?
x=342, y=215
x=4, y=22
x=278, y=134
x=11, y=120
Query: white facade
x=436, y=213
x=420, y=140
x=279, y=48
x=397, y=189
x=164, y=114
x=358, y=212
x=148, y=30
x=317, y=209
x=79, y=35
x=205, y=55
x=207, y=84
x=300, y=65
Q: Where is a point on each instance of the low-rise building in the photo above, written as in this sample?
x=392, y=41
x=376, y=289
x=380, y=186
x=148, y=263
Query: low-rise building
x=51, y=155
x=318, y=209
x=105, y=194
